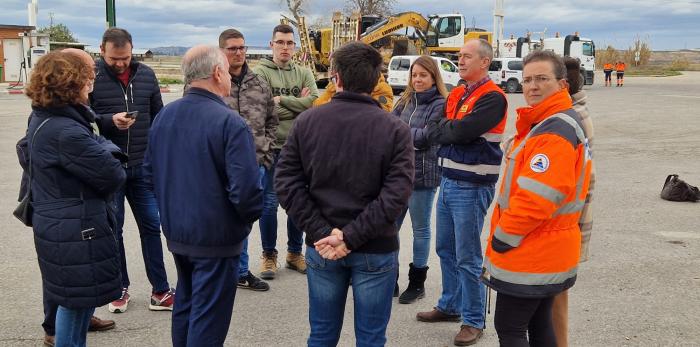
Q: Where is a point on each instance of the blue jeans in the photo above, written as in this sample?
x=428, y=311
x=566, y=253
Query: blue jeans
x=373, y=279
x=72, y=326
x=461, y=208
x=243, y=267
x=145, y=209
x=268, y=220
x=206, y=290
x=420, y=206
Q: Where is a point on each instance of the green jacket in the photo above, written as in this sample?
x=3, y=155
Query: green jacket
x=288, y=83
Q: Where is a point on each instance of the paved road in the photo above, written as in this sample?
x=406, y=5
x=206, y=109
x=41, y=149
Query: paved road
x=640, y=288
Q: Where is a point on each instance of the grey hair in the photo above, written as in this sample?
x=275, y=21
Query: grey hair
x=199, y=65
x=485, y=49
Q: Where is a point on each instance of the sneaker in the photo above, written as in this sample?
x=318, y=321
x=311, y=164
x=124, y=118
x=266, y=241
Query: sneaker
x=296, y=261
x=268, y=268
x=163, y=301
x=251, y=282
x=120, y=305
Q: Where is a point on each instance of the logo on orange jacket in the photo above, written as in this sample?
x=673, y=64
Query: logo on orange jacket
x=539, y=163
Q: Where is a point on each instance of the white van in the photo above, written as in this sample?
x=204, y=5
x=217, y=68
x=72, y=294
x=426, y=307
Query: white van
x=400, y=65
x=507, y=73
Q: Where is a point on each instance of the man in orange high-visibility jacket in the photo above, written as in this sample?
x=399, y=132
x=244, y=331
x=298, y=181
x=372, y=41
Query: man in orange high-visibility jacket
x=608, y=69
x=620, y=69
x=534, y=244
x=470, y=157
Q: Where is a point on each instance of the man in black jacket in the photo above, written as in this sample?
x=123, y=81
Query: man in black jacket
x=123, y=86
x=345, y=175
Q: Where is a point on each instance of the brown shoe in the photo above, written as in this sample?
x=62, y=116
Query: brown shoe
x=468, y=336
x=49, y=341
x=437, y=316
x=97, y=324
x=296, y=261
x=268, y=266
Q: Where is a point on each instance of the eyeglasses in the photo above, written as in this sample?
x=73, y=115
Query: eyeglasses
x=234, y=49
x=284, y=43
x=539, y=79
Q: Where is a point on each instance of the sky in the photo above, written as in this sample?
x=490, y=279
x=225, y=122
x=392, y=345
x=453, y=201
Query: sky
x=664, y=24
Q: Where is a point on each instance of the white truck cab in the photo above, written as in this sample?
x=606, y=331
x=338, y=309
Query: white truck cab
x=400, y=65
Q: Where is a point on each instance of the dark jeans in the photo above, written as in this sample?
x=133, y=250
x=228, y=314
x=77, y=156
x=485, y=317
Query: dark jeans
x=206, y=289
x=373, y=280
x=145, y=209
x=268, y=220
x=517, y=318
x=50, y=310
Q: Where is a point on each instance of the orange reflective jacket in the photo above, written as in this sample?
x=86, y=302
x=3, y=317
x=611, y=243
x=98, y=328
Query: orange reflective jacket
x=534, y=243
x=608, y=67
x=620, y=67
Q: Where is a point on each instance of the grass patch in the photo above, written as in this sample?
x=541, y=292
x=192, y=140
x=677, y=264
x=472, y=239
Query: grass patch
x=169, y=80
x=652, y=72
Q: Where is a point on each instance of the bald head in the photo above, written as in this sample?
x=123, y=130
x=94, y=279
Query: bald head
x=84, y=56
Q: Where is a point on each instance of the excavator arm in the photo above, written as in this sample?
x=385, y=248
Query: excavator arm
x=394, y=23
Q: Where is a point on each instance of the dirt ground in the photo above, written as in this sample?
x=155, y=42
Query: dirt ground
x=640, y=288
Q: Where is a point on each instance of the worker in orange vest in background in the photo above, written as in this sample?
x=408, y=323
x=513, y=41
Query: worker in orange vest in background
x=608, y=68
x=620, y=68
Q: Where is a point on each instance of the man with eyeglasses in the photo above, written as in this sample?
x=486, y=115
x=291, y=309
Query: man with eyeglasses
x=470, y=156
x=534, y=244
x=252, y=98
x=294, y=90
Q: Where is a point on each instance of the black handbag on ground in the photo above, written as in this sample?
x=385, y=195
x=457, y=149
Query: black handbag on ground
x=24, y=210
x=675, y=189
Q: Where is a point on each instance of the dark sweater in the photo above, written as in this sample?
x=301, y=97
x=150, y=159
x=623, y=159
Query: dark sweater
x=347, y=164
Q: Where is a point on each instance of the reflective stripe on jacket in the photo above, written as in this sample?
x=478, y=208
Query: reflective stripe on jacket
x=479, y=161
x=534, y=243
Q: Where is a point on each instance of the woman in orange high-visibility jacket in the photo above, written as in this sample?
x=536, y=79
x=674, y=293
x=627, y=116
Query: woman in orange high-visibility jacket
x=534, y=243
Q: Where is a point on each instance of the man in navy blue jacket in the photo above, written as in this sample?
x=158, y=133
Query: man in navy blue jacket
x=201, y=161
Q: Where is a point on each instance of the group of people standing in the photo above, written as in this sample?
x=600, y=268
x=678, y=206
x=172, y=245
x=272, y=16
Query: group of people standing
x=619, y=68
x=243, y=140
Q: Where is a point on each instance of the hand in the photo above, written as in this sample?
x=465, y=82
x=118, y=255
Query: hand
x=333, y=240
x=121, y=121
x=276, y=99
x=305, y=92
x=333, y=253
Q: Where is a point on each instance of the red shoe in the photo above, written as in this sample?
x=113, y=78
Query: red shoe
x=163, y=301
x=120, y=305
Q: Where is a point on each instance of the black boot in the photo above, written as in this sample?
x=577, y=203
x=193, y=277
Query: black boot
x=416, y=288
x=396, y=288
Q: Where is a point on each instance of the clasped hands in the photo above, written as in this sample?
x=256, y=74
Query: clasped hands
x=332, y=247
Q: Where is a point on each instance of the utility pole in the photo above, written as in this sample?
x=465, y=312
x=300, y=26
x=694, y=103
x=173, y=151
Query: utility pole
x=111, y=14
x=498, y=18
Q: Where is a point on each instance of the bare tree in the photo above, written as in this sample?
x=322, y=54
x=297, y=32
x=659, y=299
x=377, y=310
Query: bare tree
x=367, y=7
x=296, y=8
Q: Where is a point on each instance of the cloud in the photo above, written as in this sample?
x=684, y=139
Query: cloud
x=667, y=24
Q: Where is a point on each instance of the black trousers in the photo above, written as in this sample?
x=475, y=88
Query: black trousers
x=519, y=318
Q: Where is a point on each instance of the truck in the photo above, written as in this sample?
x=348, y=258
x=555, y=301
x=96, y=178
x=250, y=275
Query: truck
x=570, y=45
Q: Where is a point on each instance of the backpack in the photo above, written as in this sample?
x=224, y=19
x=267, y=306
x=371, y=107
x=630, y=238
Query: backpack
x=675, y=189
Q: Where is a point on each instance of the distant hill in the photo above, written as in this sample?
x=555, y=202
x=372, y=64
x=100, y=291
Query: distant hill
x=172, y=50
x=180, y=51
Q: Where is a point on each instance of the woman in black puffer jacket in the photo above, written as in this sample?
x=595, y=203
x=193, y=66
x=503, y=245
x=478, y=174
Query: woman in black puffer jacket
x=423, y=99
x=73, y=173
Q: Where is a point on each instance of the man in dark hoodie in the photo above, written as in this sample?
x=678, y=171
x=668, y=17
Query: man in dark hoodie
x=348, y=207
x=252, y=98
x=294, y=90
x=124, y=85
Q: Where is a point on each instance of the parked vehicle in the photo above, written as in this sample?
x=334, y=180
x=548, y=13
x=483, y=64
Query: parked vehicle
x=507, y=73
x=400, y=65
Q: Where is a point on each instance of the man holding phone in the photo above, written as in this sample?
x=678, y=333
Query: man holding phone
x=126, y=98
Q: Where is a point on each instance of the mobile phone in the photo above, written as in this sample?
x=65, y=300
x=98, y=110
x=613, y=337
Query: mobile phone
x=132, y=114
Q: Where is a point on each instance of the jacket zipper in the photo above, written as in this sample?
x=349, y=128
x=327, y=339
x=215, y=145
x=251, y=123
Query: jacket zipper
x=410, y=118
x=126, y=101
